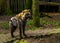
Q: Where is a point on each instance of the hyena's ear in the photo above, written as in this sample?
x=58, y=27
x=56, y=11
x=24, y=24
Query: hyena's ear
x=26, y=10
x=29, y=10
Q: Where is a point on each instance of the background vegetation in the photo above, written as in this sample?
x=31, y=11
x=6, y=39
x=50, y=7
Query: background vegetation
x=11, y=7
x=27, y=4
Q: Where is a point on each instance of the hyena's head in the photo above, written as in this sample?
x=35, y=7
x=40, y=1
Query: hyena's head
x=26, y=14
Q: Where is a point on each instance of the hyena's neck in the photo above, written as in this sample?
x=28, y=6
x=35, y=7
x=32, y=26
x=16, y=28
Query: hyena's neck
x=24, y=20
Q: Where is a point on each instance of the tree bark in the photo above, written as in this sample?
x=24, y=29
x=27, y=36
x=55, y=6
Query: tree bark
x=35, y=12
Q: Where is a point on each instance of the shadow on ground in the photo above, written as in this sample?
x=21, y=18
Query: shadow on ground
x=30, y=38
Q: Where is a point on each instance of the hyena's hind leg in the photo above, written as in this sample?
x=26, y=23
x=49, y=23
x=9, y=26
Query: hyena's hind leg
x=12, y=28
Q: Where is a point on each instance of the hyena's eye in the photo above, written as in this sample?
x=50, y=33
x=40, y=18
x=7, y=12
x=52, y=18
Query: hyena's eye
x=27, y=15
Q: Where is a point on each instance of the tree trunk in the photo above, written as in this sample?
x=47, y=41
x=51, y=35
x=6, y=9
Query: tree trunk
x=35, y=12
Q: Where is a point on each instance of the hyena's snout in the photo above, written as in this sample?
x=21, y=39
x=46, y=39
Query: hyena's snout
x=28, y=16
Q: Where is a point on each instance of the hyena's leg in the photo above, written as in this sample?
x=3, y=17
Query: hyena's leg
x=13, y=28
x=23, y=29
x=20, y=30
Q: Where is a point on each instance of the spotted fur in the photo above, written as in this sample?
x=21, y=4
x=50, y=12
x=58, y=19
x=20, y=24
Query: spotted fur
x=20, y=21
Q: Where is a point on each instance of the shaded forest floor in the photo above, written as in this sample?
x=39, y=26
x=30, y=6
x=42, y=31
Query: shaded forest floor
x=36, y=36
x=46, y=35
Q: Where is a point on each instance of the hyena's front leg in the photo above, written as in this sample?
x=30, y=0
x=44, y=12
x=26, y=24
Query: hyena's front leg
x=20, y=29
x=23, y=28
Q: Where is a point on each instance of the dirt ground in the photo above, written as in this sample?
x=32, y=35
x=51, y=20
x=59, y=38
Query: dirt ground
x=37, y=36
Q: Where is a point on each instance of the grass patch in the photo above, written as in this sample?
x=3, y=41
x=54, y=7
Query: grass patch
x=4, y=25
x=0, y=32
x=52, y=23
x=30, y=26
x=21, y=41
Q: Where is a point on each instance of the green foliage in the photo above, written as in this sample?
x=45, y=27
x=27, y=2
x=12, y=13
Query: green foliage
x=30, y=26
x=54, y=24
x=1, y=2
x=21, y=41
x=4, y=25
x=43, y=22
x=8, y=12
x=7, y=9
x=4, y=5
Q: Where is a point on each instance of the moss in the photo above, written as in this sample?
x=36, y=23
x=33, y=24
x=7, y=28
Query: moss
x=35, y=12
